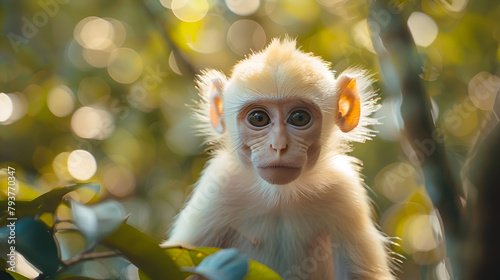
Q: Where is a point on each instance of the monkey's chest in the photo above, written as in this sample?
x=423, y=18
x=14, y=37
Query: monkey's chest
x=279, y=242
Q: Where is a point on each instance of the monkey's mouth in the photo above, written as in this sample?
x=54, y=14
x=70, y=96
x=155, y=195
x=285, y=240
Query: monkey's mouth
x=279, y=174
x=279, y=166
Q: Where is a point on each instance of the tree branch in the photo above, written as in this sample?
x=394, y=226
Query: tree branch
x=397, y=52
x=394, y=45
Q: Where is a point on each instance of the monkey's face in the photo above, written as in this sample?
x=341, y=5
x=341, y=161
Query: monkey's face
x=279, y=137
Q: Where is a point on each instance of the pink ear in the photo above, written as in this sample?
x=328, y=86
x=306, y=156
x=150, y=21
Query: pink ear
x=348, y=103
x=216, y=106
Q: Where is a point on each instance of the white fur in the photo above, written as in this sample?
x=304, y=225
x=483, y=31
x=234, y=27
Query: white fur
x=276, y=224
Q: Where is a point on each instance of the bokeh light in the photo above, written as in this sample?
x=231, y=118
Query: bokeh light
x=243, y=7
x=95, y=33
x=118, y=180
x=96, y=58
x=60, y=101
x=92, y=123
x=422, y=233
x=60, y=167
x=98, y=37
x=206, y=36
x=6, y=107
x=125, y=65
x=119, y=32
x=166, y=3
x=245, y=36
x=13, y=106
x=190, y=10
x=483, y=89
x=397, y=181
x=20, y=106
x=81, y=165
x=423, y=29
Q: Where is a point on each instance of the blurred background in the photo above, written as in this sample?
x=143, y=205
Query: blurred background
x=100, y=91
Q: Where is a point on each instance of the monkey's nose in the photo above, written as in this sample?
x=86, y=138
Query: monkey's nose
x=280, y=148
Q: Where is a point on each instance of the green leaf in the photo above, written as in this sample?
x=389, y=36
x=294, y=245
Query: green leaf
x=35, y=241
x=97, y=221
x=226, y=264
x=144, y=252
x=17, y=276
x=181, y=257
x=258, y=271
x=192, y=257
x=144, y=276
x=50, y=201
x=47, y=202
x=200, y=253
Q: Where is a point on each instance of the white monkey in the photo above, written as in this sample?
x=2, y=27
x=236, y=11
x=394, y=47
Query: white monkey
x=280, y=186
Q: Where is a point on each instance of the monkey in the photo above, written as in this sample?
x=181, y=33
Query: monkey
x=280, y=186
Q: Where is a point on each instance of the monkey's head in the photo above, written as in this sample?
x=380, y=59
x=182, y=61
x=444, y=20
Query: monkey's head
x=282, y=109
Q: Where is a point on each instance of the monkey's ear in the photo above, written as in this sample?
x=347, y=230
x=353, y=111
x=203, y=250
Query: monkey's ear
x=216, y=106
x=348, y=103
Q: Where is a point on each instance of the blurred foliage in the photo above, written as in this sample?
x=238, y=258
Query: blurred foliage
x=96, y=91
x=104, y=226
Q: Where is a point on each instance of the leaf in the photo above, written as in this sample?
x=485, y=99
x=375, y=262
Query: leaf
x=47, y=202
x=226, y=264
x=50, y=201
x=97, y=221
x=259, y=271
x=144, y=252
x=200, y=253
x=17, y=276
x=191, y=257
x=34, y=240
x=181, y=257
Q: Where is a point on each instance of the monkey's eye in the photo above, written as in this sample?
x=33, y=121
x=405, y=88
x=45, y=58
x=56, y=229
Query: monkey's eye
x=258, y=118
x=299, y=118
